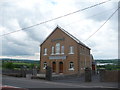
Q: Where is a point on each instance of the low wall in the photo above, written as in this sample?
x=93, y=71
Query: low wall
x=60, y=77
x=16, y=73
x=55, y=76
x=109, y=75
x=8, y=71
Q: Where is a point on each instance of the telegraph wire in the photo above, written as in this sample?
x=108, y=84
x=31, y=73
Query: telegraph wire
x=102, y=25
x=26, y=28
x=103, y=12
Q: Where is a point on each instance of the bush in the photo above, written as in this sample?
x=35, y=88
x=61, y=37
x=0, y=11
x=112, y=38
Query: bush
x=8, y=65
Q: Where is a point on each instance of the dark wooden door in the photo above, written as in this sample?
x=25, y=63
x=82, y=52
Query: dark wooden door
x=54, y=66
x=61, y=67
x=93, y=67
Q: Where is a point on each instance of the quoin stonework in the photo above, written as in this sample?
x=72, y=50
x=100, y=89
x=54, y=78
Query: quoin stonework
x=64, y=53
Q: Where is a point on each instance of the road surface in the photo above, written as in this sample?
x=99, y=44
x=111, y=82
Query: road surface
x=34, y=83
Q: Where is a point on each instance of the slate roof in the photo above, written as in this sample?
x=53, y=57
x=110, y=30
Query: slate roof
x=70, y=35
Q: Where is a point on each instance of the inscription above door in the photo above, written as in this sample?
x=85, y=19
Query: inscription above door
x=57, y=57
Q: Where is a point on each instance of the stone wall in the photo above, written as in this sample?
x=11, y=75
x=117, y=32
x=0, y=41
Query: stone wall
x=18, y=73
x=109, y=75
x=61, y=77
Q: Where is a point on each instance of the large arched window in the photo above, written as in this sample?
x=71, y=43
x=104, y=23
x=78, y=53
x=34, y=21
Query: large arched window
x=62, y=49
x=52, y=50
x=57, y=48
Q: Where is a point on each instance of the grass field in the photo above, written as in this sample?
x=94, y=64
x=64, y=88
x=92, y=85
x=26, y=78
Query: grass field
x=18, y=65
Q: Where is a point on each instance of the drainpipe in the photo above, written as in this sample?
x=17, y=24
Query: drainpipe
x=85, y=60
x=78, y=51
x=40, y=57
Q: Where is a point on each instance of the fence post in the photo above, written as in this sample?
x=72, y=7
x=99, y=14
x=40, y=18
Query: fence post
x=102, y=74
x=34, y=72
x=88, y=74
x=23, y=71
x=48, y=73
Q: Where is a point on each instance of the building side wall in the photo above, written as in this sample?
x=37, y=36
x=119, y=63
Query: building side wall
x=84, y=59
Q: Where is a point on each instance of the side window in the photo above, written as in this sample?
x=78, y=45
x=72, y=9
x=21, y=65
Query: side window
x=71, y=66
x=80, y=50
x=44, y=65
x=45, y=51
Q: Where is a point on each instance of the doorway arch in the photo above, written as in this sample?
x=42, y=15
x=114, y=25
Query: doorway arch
x=60, y=67
x=54, y=67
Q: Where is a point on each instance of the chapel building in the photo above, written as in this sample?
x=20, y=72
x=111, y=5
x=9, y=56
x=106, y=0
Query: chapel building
x=64, y=53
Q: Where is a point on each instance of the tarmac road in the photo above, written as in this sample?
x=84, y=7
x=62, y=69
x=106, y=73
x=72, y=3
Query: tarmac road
x=33, y=83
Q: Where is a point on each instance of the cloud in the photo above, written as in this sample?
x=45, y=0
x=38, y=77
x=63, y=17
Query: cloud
x=25, y=13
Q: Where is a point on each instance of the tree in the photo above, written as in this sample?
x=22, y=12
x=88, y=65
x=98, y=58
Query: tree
x=32, y=66
x=9, y=65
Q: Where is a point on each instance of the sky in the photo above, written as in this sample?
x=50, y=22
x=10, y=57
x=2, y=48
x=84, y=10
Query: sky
x=15, y=15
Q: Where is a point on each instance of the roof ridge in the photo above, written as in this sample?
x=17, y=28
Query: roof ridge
x=77, y=40
x=67, y=33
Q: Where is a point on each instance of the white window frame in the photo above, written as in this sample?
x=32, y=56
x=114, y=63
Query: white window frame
x=71, y=50
x=62, y=49
x=53, y=49
x=44, y=65
x=45, y=51
x=57, y=50
x=71, y=66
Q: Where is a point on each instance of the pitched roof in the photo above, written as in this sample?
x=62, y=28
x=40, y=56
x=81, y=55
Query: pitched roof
x=70, y=35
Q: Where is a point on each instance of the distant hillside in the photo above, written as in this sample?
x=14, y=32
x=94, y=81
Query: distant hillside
x=114, y=61
x=20, y=60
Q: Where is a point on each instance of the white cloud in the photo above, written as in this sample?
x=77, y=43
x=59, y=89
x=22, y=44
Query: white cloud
x=25, y=13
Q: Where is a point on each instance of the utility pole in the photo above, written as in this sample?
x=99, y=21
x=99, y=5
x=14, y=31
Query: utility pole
x=118, y=30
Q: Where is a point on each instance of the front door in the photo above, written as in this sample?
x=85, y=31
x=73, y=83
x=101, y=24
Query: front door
x=61, y=67
x=54, y=66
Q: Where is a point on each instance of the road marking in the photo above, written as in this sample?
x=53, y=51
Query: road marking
x=7, y=86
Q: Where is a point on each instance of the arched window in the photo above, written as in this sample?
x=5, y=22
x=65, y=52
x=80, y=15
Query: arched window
x=44, y=65
x=62, y=49
x=71, y=50
x=52, y=50
x=71, y=66
x=57, y=48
